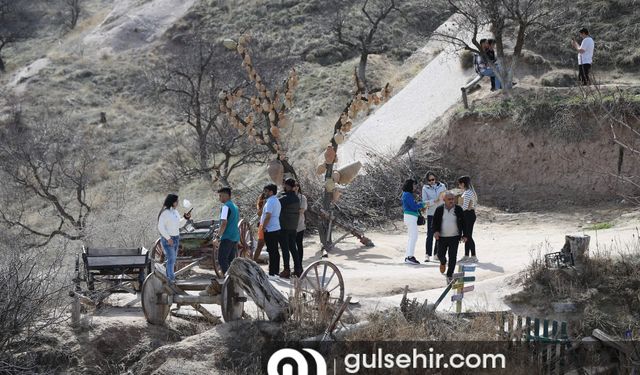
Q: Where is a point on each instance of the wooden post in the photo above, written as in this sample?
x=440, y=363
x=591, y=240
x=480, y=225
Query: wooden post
x=75, y=307
x=464, y=98
x=578, y=244
x=459, y=290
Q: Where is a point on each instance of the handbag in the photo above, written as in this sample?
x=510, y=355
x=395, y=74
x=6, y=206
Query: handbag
x=421, y=219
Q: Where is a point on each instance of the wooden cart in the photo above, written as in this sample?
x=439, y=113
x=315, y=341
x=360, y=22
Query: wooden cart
x=105, y=270
x=196, y=241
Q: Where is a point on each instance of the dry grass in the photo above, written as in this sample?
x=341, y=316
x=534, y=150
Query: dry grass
x=604, y=288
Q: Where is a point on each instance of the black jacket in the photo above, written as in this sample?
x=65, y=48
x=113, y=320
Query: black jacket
x=290, y=211
x=437, y=219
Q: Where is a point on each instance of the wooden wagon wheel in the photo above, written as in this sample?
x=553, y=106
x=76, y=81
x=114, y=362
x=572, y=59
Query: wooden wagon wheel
x=322, y=288
x=247, y=242
x=232, y=303
x=216, y=265
x=155, y=312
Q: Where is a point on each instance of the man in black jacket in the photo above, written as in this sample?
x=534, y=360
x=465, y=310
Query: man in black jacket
x=448, y=227
x=289, y=225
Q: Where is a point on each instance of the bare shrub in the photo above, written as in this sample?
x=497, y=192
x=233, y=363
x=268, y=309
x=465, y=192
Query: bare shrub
x=31, y=301
x=604, y=288
x=373, y=198
x=122, y=220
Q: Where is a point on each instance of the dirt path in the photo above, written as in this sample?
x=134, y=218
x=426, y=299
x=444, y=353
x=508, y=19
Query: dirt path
x=505, y=245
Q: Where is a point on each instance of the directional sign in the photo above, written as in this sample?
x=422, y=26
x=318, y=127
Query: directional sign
x=457, y=297
x=457, y=275
x=458, y=285
x=467, y=288
x=468, y=268
x=469, y=278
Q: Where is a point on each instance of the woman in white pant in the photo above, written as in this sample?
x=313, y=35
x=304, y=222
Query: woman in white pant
x=411, y=210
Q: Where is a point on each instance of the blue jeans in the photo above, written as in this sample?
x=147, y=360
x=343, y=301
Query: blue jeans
x=170, y=254
x=488, y=72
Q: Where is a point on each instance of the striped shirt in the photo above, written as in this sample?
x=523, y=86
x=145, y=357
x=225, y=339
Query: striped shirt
x=469, y=200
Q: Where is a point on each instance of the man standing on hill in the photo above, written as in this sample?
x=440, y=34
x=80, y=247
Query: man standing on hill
x=448, y=225
x=289, y=223
x=585, y=56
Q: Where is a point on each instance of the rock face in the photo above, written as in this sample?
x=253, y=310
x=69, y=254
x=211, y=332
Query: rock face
x=535, y=169
x=134, y=25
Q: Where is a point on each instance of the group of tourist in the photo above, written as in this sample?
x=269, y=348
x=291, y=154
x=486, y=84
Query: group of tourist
x=282, y=224
x=448, y=222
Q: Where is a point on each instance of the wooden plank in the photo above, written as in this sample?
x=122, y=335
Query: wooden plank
x=110, y=251
x=563, y=331
x=469, y=278
x=124, y=261
x=536, y=328
x=554, y=329
x=545, y=328
x=468, y=268
x=510, y=326
x=457, y=297
x=467, y=288
x=518, y=328
x=444, y=294
x=527, y=328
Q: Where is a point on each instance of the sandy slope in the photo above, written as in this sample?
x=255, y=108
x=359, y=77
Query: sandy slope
x=435, y=89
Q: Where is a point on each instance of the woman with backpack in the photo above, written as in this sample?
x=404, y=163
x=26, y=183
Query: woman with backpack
x=169, y=228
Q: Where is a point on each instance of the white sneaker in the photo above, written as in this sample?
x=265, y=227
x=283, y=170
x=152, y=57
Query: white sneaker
x=273, y=277
x=464, y=259
x=473, y=259
x=427, y=259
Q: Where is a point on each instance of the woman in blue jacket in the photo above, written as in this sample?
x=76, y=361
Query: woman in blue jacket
x=411, y=210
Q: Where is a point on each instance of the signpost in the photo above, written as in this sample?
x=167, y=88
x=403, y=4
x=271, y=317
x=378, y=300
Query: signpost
x=459, y=279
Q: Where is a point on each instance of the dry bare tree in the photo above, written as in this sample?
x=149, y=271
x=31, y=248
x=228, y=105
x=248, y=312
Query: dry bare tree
x=46, y=165
x=507, y=20
x=73, y=10
x=15, y=24
x=360, y=26
x=261, y=113
x=191, y=84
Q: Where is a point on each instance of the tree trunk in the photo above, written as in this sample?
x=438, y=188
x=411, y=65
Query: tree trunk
x=578, y=244
x=204, y=158
x=362, y=69
x=252, y=279
x=2, y=68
